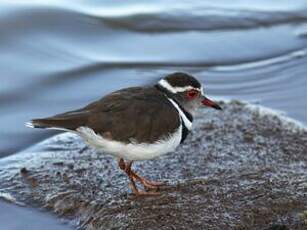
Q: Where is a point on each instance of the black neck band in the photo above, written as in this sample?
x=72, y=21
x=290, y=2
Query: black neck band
x=171, y=95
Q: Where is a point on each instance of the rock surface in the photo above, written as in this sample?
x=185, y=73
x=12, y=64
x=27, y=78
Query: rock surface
x=242, y=168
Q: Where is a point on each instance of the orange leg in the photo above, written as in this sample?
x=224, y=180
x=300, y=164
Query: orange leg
x=133, y=176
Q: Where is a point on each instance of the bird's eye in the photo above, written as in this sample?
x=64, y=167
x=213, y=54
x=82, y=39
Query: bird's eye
x=192, y=93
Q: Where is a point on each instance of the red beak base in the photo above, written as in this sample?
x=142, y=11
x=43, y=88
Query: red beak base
x=212, y=104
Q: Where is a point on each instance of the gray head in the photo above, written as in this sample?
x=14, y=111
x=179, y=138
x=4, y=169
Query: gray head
x=187, y=91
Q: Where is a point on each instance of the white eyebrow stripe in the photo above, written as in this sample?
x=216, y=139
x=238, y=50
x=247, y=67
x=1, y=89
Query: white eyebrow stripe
x=176, y=89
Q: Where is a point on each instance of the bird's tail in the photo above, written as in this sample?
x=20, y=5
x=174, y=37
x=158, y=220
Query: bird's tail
x=45, y=123
x=65, y=121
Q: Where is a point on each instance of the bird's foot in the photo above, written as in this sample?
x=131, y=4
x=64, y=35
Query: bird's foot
x=138, y=192
x=147, y=183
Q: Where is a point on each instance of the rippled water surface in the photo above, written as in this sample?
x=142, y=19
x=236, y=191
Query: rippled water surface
x=60, y=55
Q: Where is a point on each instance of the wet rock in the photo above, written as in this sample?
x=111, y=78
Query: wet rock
x=242, y=168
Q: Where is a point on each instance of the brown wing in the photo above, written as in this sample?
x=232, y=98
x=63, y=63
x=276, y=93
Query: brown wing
x=140, y=114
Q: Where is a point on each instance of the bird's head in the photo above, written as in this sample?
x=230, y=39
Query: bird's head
x=187, y=91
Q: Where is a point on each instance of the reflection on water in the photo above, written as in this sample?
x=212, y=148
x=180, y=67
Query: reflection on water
x=60, y=55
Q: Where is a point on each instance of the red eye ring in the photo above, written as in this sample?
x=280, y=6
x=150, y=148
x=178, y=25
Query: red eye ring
x=191, y=94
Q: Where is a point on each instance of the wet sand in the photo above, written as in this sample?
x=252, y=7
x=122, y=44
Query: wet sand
x=242, y=168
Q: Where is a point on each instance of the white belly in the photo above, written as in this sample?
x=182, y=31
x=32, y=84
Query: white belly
x=131, y=151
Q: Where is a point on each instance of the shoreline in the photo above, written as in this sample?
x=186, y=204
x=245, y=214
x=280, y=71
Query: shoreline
x=244, y=167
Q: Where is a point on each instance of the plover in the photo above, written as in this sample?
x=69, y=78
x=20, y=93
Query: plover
x=136, y=123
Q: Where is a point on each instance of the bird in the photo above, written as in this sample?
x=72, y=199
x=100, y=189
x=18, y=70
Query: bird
x=136, y=123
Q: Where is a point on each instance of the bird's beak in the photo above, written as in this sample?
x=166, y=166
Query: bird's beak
x=209, y=103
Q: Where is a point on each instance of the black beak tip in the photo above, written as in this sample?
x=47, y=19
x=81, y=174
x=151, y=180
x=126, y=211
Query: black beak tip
x=217, y=107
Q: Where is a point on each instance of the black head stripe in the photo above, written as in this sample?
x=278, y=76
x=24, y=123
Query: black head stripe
x=179, y=79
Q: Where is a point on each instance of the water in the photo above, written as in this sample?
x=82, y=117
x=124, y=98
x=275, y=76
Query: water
x=27, y=219
x=60, y=55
